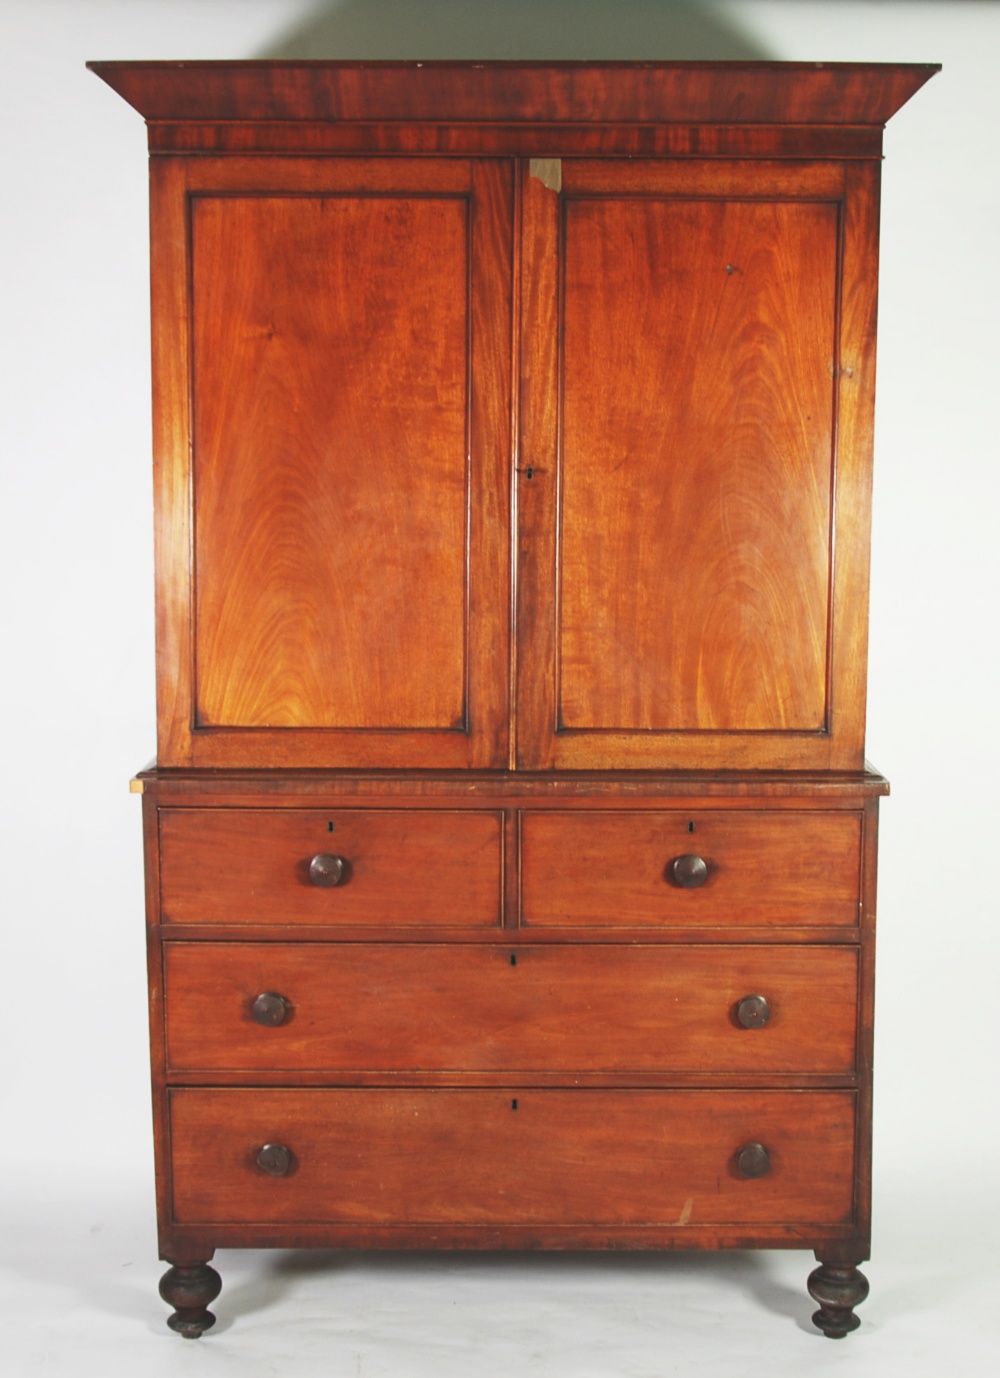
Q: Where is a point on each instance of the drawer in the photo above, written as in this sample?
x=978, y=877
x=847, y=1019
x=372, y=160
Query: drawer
x=484, y=1008
x=396, y=867
x=385, y=1156
x=618, y=869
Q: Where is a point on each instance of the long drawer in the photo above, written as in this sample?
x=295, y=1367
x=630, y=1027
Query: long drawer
x=486, y=1156
x=483, y=1007
x=644, y=868
x=387, y=867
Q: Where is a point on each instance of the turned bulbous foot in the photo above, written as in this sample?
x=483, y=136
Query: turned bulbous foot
x=189, y=1289
x=838, y=1290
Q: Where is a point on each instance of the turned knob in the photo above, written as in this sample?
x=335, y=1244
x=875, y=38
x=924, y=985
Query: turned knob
x=326, y=869
x=269, y=1009
x=753, y=1011
x=688, y=871
x=274, y=1159
x=753, y=1160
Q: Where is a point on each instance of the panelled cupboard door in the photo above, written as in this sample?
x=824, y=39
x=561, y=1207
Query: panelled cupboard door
x=332, y=361
x=697, y=360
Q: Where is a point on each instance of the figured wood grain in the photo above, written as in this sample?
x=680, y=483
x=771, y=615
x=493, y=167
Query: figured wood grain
x=331, y=360
x=629, y=140
x=246, y=866
x=468, y=1156
x=533, y=92
x=613, y=869
x=695, y=554
x=470, y=1007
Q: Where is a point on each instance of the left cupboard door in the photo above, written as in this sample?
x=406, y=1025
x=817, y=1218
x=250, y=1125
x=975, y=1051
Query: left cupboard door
x=332, y=399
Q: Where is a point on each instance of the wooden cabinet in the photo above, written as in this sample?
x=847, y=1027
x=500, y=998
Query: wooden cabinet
x=510, y=847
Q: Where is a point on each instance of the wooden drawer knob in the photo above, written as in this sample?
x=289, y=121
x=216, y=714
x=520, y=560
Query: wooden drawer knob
x=269, y=1009
x=753, y=1011
x=325, y=869
x=753, y=1160
x=274, y=1159
x=688, y=871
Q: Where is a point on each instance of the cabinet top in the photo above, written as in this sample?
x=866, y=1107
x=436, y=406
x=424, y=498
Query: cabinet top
x=585, y=93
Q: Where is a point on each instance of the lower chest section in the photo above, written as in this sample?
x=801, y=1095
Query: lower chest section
x=585, y=1023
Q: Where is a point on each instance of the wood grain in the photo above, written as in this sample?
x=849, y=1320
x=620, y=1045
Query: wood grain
x=512, y=140
x=331, y=359
x=475, y=1008
x=622, y=789
x=855, y=442
x=533, y=92
x=678, y=543
x=350, y=440
x=450, y=1156
x=696, y=543
x=172, y=515
x=250, y=866
x=612, y=869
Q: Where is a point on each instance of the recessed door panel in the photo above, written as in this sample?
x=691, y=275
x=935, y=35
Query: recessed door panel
x=330, y=460
x=696, y=463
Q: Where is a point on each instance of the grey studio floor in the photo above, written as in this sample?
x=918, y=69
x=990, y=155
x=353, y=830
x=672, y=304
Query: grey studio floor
x=79, y=1275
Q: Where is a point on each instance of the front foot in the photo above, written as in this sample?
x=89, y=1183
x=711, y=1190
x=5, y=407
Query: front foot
x=838, y=1289
x=190, y=1288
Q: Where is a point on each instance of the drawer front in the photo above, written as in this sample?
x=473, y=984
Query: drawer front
x=379, y=1156
x=397, y=867
x=618, y=869
x=478, y=1008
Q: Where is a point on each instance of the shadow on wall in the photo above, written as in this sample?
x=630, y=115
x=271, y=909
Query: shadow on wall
x=515, y=29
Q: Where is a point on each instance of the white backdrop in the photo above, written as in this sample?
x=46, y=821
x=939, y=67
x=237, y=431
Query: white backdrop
x=75, y=546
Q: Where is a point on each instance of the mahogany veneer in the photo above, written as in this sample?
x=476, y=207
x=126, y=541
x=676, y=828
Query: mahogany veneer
x=245, y=866
x=510, y=846
x=474, y=1008
x=587, y=1160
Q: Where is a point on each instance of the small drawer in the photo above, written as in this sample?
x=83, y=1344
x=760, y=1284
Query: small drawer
x=528, y=1156
x=380, y=867
x=636, y=869
x=476, y=1008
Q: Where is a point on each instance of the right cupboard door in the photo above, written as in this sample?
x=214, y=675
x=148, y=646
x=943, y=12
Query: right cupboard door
x=697, y=371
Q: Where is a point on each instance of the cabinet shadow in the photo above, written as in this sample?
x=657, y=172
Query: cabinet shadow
x=529, y=30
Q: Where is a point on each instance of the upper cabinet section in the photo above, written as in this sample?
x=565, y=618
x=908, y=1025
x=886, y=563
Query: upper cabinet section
x=549, y=447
